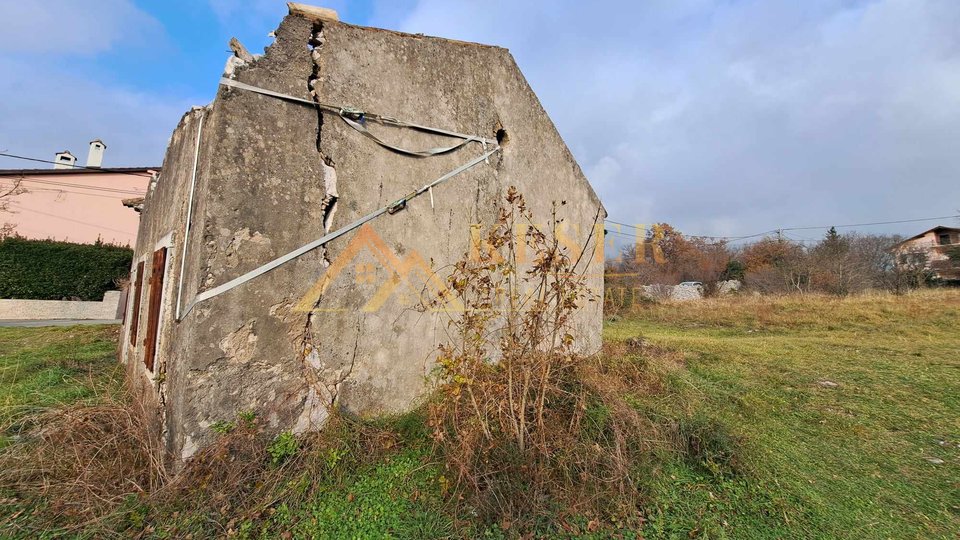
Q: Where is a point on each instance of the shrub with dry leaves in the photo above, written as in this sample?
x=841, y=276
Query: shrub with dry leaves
x=524, y=423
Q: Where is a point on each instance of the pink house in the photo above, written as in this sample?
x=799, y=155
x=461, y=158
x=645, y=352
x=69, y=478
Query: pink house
x=76, y=203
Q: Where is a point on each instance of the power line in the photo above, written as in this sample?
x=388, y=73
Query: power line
x=629, y=235
x=687, y=235
x=117, y=197
x=869, y=224
x=56, y=186
x=25, y=158
x=722, y=238
x=64, y=191
x=83, y=186
x=79, y=186
x=87, y=223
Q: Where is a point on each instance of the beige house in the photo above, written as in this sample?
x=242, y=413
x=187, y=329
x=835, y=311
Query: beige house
x=933, y=249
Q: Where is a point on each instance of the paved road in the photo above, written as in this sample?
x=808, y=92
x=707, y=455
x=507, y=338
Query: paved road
x=57, y=322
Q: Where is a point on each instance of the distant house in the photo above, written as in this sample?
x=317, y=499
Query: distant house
x=937, y=249
x=74, y=203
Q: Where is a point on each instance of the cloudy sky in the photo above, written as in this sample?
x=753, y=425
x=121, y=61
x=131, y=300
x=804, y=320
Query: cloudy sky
x=722, y=117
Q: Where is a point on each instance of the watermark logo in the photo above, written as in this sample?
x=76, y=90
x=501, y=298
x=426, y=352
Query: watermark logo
x=399, y=269
x=373, y=265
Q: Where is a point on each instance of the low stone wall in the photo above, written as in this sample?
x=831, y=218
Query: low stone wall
x=42, y=310
x=684, y=293
x=729, y=287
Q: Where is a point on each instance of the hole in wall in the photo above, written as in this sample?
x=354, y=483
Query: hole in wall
x=502, y=137
x=331, y=208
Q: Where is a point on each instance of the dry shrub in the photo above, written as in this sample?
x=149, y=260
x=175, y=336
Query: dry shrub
x=93, y=470
x=222, y=474
x=526, y=425
x=81, y=463
x=641, y=363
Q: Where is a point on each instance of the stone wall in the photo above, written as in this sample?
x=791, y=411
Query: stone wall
x=684, y=293
x=43, y=310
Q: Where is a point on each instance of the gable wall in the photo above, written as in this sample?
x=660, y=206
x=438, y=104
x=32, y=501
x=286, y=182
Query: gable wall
x=271, y=346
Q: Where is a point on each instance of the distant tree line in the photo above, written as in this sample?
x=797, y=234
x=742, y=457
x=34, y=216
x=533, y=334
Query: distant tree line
x=837, y=264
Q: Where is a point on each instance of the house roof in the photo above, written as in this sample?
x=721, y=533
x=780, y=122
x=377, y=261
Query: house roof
x=938, y=228
x=138, y=171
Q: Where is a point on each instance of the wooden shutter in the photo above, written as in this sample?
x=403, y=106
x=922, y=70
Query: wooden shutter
x=135, y=315
x=153, y=310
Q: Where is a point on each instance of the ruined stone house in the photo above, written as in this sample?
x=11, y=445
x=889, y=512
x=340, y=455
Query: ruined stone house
x=281, y=250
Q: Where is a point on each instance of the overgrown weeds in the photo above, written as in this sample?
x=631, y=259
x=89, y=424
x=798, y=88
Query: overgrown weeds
x=80, y=464
x=526, y=424
x=90, y=472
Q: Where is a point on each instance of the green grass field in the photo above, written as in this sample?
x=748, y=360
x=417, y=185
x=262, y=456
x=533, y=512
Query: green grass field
x=845, y=408
x=832, y=418
x=45, y=367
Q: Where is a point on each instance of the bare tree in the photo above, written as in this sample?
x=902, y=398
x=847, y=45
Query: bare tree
x=912, y=269
x=876, y=262
x=777, y=265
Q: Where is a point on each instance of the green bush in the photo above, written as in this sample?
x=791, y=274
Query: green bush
x=734, y=270
x=51, y=270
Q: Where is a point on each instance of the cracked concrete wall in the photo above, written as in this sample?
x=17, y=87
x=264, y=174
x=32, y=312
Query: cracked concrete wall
x=161, y=224
x=460, y=86
x=275, y=175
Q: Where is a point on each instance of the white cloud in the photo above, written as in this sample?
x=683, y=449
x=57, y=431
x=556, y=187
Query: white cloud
x=48, y=105
x=720, y=117
x=67, y=27
x=736, y=117
x=40, y=118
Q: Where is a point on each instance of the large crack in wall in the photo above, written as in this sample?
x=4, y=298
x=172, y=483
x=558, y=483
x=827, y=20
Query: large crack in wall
x=322, y=384
x=329, y=204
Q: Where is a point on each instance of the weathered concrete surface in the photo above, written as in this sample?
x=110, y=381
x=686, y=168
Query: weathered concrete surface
x=106, y=309
x=164, y=213
x=275, y=175
x=684, y=293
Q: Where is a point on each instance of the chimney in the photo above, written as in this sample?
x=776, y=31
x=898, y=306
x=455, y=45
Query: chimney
x=64, y=160
x=95, y=156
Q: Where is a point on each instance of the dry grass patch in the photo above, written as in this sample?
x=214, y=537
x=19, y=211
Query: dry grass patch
x=868, y=311
x=78, y=465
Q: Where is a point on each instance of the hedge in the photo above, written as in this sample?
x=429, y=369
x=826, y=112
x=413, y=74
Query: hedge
x=51, y=270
